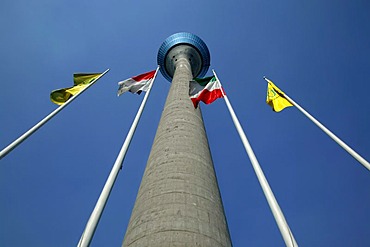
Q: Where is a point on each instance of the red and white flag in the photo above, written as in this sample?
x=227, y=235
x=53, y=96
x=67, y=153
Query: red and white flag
x=206, y=89
x=136, y=84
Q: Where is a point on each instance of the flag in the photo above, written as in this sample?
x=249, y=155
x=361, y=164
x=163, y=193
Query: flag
x=81, y=80
x=275, y=97
x=136, y=84
x=207, y=89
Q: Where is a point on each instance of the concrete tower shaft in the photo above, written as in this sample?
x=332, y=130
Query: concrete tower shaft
x=179, y=203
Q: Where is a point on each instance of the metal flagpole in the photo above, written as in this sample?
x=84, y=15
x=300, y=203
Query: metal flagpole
x=274, y=206
x=355, y=155
x=23, y=137
x=93, y=221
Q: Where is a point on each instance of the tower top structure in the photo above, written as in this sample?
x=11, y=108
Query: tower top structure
x=183, y=45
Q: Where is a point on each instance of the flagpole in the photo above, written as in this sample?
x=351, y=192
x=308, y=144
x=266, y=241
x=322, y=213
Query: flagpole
x=355, y=155
x=95, y=216
x=23, y=137
x=274, y=206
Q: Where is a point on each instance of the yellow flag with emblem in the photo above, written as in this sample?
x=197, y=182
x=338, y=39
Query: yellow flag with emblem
x=82, y=80
x=275, y=97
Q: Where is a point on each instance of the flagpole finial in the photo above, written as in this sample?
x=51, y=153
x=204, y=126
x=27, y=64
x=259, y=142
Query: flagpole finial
x=183, y=46
x=266, y=79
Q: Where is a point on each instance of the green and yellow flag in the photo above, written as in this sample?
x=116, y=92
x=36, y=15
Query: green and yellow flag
x=275, y=97
x=82, y=80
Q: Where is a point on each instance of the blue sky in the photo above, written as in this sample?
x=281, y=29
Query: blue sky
x=316, y=51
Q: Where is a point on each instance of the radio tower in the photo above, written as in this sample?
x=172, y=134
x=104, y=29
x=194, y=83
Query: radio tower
x=179, y=203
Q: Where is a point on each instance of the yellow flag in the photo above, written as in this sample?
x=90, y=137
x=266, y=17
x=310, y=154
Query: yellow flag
x=275, y=97
x=60, y=96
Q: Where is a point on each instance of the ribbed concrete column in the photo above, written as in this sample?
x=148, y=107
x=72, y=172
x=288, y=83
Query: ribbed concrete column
x=178, y=203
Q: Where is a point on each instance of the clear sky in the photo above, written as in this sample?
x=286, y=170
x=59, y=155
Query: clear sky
x=316, y=51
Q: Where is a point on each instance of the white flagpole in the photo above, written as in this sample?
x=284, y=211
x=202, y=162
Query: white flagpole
x=93, y=221
x=274, y=206
x=355, y=155
x=23, y=137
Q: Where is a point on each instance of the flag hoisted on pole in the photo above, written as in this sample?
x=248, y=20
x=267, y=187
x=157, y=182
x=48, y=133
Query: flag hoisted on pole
x=206, y=89
x=95, y=216
x=81, y=80
x=355, y=155
x=274, y=206
x=67, y=98
x=136, y=84
x=275, y=98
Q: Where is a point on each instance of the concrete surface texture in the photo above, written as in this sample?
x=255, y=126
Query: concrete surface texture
x=179, y=203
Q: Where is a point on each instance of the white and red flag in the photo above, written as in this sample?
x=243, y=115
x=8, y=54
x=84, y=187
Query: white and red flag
x=206, y=89
x=136, y=84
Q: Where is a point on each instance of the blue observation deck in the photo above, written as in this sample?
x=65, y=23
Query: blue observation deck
x=197, y=53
